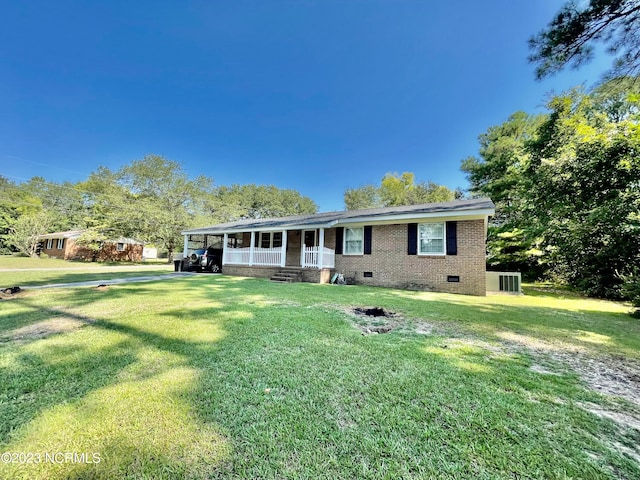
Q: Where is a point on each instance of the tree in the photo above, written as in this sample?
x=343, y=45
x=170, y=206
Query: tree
x=366, y=196
x=63, y=200
x=631, y=289
x=585, y=194
x=498, y=174
x=570, y=37
x=152, y=199
x=395, y=190
x=14, y=202
x=567, y=191
x=238, y=202
x=23, y=234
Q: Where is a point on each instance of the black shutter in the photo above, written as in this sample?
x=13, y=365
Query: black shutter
x=339, y=237
x=412, y=239
x=367, y=240
x=452, y=238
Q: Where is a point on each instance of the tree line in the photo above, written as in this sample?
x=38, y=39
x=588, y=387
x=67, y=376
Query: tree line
x=152, y=199
x=566, y=185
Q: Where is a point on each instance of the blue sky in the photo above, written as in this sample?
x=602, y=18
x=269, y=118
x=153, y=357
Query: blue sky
x=316, y=96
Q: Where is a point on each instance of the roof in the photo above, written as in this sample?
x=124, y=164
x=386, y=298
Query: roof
x=460, y=209
x=77, y=233
x=67, y=234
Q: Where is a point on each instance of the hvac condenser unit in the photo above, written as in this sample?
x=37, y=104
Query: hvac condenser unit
x=506, y=282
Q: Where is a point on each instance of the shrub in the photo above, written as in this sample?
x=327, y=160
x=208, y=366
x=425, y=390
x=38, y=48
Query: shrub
x=631, y=291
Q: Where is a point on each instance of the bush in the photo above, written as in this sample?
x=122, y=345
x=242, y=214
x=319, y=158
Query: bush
x=631, y=291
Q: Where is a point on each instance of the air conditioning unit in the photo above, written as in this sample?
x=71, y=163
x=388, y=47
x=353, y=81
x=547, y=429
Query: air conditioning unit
x=505, y=282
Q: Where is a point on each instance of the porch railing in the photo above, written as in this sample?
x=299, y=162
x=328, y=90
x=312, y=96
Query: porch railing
x=267, y=256
x=272, y=257
x=261, y=256
x=310, y=259
x=236, y=256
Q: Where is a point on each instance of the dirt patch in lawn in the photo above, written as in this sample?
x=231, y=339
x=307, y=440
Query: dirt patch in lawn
x=372, y=320
x=611, y=375
x=11, y=293
x=43, y=329
x=615, y=376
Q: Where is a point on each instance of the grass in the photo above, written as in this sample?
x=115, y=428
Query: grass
x=37, y=271
x=225, y=377
x=14, y=261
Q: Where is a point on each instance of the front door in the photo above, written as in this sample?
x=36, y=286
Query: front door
x=309, y=238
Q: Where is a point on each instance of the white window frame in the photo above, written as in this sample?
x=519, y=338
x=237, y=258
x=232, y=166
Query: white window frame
x=49, y=244
x=443, y=238
x=270, y=244
x=60, y=244
x=119, y=248
x=345, y=239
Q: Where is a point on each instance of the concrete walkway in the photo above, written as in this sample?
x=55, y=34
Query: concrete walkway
x=112, y=281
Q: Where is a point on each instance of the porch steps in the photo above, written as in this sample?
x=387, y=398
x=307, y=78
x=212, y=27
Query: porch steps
x=287, y=276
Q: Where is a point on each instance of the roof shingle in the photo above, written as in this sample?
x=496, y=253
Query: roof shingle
x=329, y=219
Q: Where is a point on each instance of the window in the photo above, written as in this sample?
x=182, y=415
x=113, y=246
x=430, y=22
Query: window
x=49, y=243
x=60, y=243
x=353, y=241
x=120, y=247
x=270, y=240
x=277, y=240
x=431, y=239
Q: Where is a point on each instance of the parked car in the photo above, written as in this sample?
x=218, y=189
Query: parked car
x=205, y=259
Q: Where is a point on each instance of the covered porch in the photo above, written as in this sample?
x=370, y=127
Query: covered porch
x=284, y=248
x=297, y=248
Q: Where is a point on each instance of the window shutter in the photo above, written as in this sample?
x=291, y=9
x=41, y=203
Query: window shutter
x=452, y=238
x=339, y=239
x=367, y=239
x=412, y=239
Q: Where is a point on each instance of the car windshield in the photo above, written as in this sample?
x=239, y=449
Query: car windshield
x=200, y=251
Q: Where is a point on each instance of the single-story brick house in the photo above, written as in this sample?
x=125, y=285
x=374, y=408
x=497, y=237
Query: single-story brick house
x=436, y=246
x=64, y=245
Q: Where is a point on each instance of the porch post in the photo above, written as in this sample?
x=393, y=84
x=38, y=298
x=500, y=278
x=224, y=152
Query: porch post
x=251, y=247
x=321, y=248
x=225, y=242
x=283, y=255
x=186, y=246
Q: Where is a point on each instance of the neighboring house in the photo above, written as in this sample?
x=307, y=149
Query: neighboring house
x=436, y=246
x=64, y=245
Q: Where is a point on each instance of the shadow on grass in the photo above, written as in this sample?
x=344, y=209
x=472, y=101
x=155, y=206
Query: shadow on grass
x=61, y=392
x=215, y=377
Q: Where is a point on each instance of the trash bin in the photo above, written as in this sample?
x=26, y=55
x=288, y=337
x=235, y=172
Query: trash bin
x=177, y=265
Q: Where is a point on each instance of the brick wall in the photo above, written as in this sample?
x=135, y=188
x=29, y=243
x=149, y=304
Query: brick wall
x=391, y=266
x=109, y=252
x=246, y=271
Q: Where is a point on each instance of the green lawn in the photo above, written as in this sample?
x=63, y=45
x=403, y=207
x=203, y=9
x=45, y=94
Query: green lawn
x=36, y=271
x=224, y=377
x=14, y=261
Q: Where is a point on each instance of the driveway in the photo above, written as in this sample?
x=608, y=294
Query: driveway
x=112, y=281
